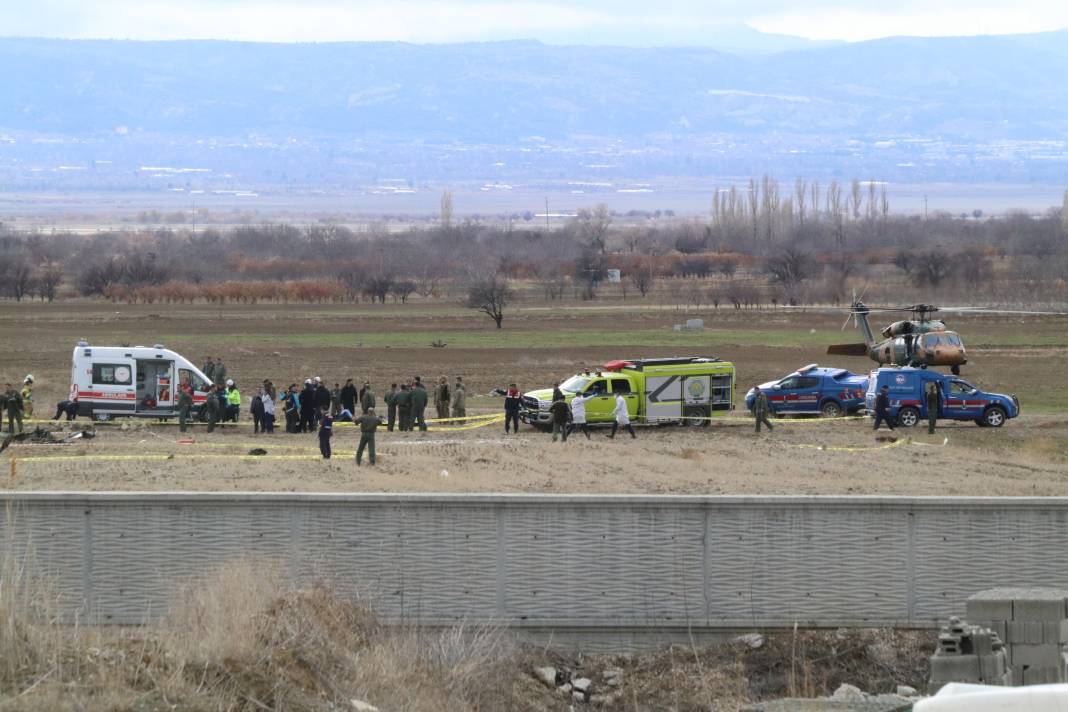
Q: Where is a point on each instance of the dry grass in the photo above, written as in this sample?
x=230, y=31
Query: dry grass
x=241, y=641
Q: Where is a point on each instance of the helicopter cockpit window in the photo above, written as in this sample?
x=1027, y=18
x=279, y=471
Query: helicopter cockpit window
x=953, y=339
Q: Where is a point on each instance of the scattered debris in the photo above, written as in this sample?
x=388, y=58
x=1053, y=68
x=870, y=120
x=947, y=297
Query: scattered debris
x=257, y=451
x=438, y=344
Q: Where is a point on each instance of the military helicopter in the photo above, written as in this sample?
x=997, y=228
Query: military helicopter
x=921, y=341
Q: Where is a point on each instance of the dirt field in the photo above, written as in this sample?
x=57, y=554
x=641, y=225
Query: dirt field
x=1029, y=456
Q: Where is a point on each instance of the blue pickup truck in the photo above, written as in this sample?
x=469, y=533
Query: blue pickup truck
x=959, y=400
x=816, y=390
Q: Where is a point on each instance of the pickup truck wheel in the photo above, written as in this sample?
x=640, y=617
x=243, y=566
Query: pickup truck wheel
x=908, y=417
x=994, y=416
x=695, y=417
x=830, y=409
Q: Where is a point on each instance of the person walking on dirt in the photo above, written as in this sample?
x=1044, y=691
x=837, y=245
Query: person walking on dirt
x=622, y=417
x=404, y=408
x=348, y=396
x=511, y=408
x=368, y=423
x=419, y=399
x=391, y=406
x=185, y=405
x=326, y=431
x=13, y=406
x=882, y=408
x=212, y=407
x=322, y=398
x=560, y=413
x=933, y=401
x=459, y=400
x=578, y=414
x=442, y=398
x=761, y=409
x=368, y=400
x=267, y=418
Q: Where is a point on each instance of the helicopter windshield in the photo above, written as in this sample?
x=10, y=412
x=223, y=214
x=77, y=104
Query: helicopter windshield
x=575, y=384
x=954, y=339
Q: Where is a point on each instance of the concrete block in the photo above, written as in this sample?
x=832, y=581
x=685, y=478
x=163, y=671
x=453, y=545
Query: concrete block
x=1035, y=656
x=1028, y=632
x=1039, y=609
x=1063, y=637
x=956, y=668
x=993, y=667
x=1064, y=667
x=1017, y=675
x=982, y=643
x=991, y=605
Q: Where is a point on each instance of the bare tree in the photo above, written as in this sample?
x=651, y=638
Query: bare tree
x=814, y=191
x=591, y=226
x=489, y=295
x=1064, y=211
x=49, y=277
x=800, y=192
x=754, y=208
x=642, y=279
x=20, y=278
x=855, y=199
x=402, y=289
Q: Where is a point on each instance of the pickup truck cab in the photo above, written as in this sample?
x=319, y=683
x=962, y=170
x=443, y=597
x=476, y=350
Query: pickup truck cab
x=816, y=390
x=679, y=390
x=958, y=399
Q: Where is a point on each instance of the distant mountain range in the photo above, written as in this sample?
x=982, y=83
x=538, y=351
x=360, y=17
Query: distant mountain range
x=993, y=107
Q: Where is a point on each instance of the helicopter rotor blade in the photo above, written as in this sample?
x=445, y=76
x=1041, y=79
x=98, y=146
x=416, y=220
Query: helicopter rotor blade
x=845, y=323
x=985, y=310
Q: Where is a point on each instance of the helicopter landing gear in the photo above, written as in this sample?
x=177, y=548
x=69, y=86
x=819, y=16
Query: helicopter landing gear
x=955, y=370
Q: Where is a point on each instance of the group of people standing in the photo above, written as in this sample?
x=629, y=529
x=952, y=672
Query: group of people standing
x=567, y=418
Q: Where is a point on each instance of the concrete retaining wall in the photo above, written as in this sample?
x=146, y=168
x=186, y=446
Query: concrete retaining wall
x=624, y=566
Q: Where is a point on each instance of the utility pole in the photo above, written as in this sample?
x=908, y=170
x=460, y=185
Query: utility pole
x=546, y=212
x=925, y=208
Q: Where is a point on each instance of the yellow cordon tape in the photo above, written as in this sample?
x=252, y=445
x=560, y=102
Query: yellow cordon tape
x=887, y=446
x=172, y=422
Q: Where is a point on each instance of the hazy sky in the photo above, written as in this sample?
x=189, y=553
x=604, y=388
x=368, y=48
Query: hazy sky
x=586, y=21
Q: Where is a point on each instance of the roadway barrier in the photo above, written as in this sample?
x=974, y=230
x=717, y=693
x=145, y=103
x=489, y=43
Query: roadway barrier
x=608, y=571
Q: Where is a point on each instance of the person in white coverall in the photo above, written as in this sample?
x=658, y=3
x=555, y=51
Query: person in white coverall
x=578, y=415
x=622, y=417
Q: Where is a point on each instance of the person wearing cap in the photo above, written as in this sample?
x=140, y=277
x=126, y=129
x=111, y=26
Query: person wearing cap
x=369, y=422
x=419, y=398
x=391, y=405
x=459, y=400
x=404, y=408
x=12, y=401
x=367, y=400
x=442, y=398
x=211, y=406
x=761, y=409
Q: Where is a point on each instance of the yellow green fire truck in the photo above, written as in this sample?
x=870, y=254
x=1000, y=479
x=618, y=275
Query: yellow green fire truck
x=658, y=390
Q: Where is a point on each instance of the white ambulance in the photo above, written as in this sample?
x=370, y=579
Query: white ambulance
x=135, y=381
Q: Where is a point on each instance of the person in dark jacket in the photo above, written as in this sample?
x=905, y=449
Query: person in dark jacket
x=307, y=407
x=368, y=400
x=68, y=408
x=291, y=408
x=761, y=409
x=326, y=431
x=348, y=396
x=511, y=407
x=933, y=403
x=561, y=413
x=419, y=400
x=882, y=408
x=404, y=408
x=322, y=399
x=212, y=407
x=256, y=411
x=557, y=393
x=335, y=400
x=391, y=405
x=368, y=423
x=442, y=398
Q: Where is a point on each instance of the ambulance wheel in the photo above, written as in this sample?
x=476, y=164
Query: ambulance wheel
x=994, y=416
x=830, y=409
x=908, y=417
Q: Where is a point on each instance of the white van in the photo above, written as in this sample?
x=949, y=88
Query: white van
x=110, y=381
